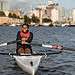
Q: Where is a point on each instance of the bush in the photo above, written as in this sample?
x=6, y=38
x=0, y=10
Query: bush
x=13, y=15
x=47, y=20
x=35, y=19
x=2, y=14
x=27, y=20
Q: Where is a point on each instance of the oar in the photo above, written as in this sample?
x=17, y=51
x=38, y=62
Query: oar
x=58, y=47
x=69, y=49
x=12, y=42
x=41, y=45
x=8, y=53
x=8, y=43
x=34, y=54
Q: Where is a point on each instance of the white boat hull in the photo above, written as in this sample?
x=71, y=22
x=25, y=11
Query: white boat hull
x=28, y=64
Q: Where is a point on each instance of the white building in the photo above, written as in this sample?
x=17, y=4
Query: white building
x=73, y=15
x=4, y=5
x=37, y=11
x=52, y=11
x=61, y=13
x=54, y=15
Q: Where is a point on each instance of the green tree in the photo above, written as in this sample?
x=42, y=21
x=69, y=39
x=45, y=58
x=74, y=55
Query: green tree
x=10, y=15
x=35, y=19
x=13, y=15
x=47, y=20
x=27, y=20
x=2, y=14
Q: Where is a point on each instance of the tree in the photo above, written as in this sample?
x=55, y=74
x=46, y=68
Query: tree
x=13, y=15
x=2, y=14
x=35, y=19
x=47, y=20
x=10, y=15
x=27, y=20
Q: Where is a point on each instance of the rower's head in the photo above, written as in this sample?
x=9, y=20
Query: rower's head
x=25, y=27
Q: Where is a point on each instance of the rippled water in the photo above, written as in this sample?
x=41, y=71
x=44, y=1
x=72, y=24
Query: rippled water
x=57, y=64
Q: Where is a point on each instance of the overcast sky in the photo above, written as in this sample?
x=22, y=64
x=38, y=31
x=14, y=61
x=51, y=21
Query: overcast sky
x=28, y=3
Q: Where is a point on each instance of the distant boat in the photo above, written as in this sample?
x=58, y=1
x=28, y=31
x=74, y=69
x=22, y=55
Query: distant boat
x=18, y=24
x=13, y=25
x=72, y=25
x=46, y=24
x=33, y=24
x=66, y=24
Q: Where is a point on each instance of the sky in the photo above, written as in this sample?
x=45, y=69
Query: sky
x=69, y=4
x=27, y=4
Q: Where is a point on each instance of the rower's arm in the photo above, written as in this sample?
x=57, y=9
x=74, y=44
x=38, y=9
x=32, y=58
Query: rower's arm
x=30, y=38
x=18, y=37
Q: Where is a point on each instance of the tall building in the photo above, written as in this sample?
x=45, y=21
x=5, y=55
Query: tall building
x=73, y=15
x=52, y=11
x=54, y=15
x=4, y=5
x=61, y=13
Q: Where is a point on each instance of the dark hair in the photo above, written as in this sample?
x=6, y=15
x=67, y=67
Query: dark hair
x=25, y=25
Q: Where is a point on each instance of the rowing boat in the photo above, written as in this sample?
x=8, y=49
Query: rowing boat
x=29, y=63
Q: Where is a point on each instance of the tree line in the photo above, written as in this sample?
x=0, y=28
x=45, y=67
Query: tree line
x=27, y=19
x=35, y=19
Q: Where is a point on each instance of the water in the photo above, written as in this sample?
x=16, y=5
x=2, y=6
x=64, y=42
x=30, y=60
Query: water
x=58, y=64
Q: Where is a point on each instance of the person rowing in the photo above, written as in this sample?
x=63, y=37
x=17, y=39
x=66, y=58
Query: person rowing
x=25, y=36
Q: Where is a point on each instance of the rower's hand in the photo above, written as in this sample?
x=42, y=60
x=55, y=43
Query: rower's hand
x=23, y=40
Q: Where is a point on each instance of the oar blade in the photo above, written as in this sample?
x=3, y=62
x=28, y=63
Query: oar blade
x=69, y=49
x=4, y=44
